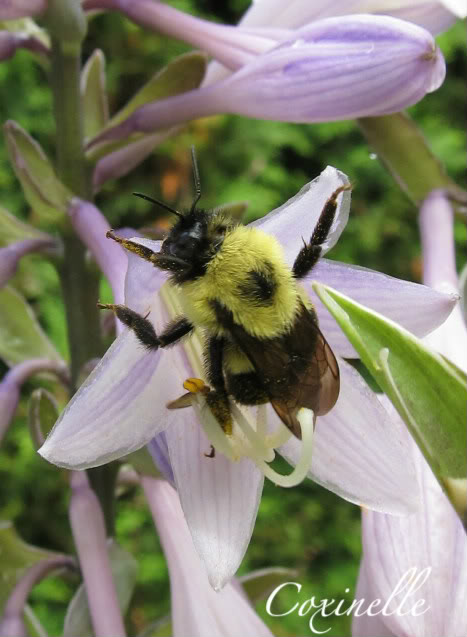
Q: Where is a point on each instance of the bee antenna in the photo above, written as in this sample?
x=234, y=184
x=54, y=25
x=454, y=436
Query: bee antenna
x=195, y=179
x=159, y=203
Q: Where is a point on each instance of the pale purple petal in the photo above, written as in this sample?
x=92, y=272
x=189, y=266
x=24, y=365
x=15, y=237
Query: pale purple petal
x=13, y=9
x=362, y=624
x=11, y=621
x=120, y=162
x=338, y=68
x=220, y=498
x=197, y=610
x=431, y=538
x=294, y=221
x=9, y=399
x=295, y=13
x=416, y=307
x=89, y=534
x=91, y=226
x=230, y=45
x=359, y=452
x=11, y=254
x=10, y=385
x=437, y=230
x=143, y=280
x=121, y=405
x=159, y=451
x=439, y=271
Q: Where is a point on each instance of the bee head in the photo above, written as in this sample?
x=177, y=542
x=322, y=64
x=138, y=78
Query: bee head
x=195, y=237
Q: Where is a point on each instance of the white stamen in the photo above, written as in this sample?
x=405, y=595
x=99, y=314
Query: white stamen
x=250, y=437
x=306, y=419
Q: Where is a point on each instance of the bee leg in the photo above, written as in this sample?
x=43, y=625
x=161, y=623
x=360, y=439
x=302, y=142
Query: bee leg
x=162, y=261
x=309, y=255
x=218, y=399
x=144, y=329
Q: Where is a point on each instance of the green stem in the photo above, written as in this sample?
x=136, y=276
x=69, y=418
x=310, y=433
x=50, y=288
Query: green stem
x=80, y=283
x=403, y=149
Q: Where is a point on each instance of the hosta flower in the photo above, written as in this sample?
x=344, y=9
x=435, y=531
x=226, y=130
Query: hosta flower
x=331, y=69
x=357, y=450
x=431, y=544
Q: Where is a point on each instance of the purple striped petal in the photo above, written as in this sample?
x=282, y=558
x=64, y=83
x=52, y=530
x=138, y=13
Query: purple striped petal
x=11, y=254
x=439, y=271
x=295, y=220
x=232, y=46
x=159, y=451
x=91, y=226
x=10, y=385
x=117, y=409
x=339, y=68
x=359, y=452
x=220, y=498
x=197, y=610
x=120, y=162
x=121, y=405
x=416, y=307
x=293, y=14
x=431, y=538
x=364, y=625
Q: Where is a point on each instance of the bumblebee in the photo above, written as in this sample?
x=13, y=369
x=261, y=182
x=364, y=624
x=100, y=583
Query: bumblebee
x=262, y=339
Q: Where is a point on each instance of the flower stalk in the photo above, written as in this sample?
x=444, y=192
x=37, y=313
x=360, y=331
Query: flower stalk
x=79, y=283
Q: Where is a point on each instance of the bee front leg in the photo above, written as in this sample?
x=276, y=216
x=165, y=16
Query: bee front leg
x=144, y=330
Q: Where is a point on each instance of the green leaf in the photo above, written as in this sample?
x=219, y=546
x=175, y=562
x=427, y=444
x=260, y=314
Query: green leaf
x=16, y=558
x=160, y=628
x=28, y=27
x=43, y=190
x=428, y=392
x=21, y=336
x=124, y=570
x=95, y=105
x=259, y=584
x=13, y=230
x=42, y=415
x=142, y=462
x=182, y=74
x=185, y=73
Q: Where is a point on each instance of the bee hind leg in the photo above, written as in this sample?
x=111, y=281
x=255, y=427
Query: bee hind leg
x=309, y=255
x=217, y=399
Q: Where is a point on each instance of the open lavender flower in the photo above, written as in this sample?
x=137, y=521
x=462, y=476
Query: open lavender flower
x=357, y=450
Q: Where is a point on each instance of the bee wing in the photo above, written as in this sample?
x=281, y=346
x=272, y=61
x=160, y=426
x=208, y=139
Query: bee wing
x=298, y=369
x=316, y=387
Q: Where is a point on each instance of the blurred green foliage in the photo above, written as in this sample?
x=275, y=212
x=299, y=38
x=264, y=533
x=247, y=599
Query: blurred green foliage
x=264, y=163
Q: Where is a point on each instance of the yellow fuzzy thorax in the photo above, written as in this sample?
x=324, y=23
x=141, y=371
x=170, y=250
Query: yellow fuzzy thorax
x=243, y=250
